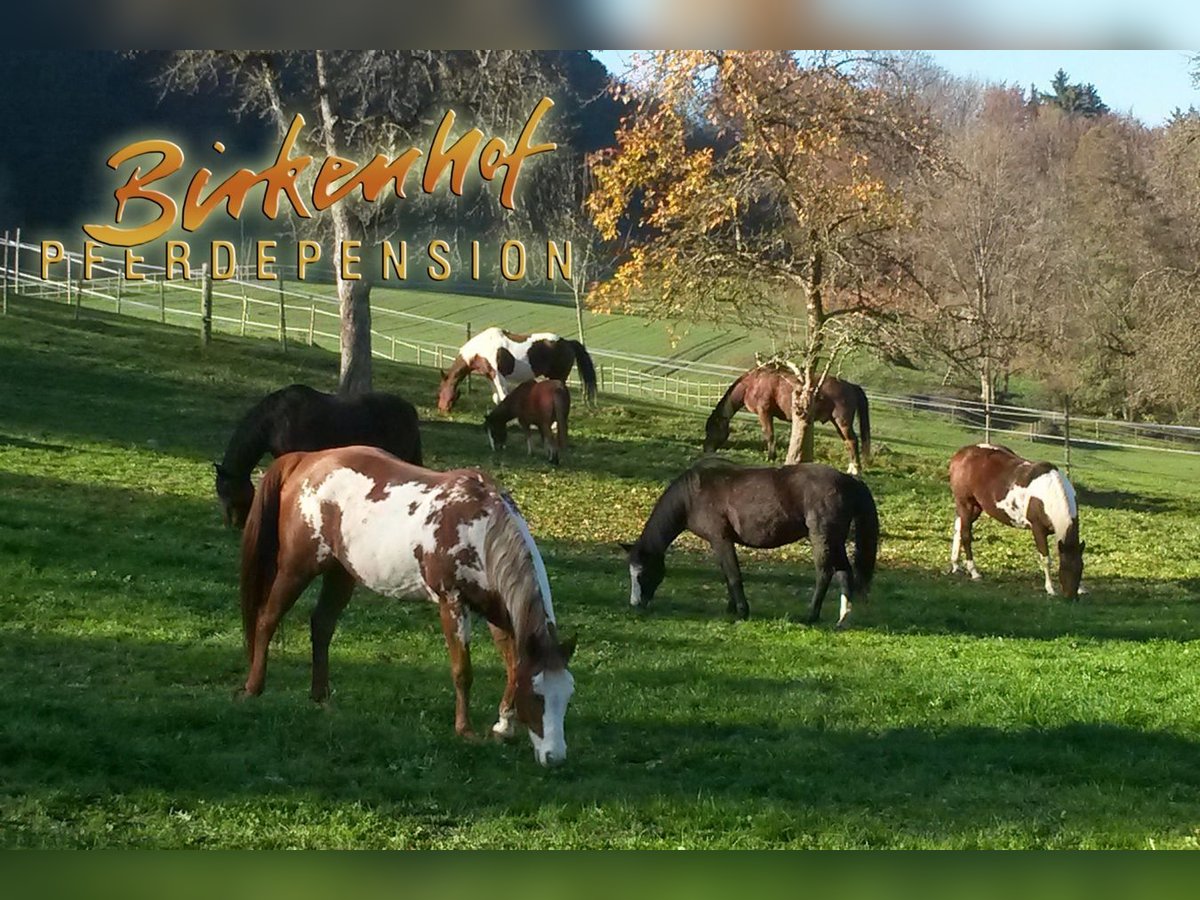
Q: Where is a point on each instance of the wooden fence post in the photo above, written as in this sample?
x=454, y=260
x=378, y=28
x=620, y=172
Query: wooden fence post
x=206, y=308
x=78, y=298
x=5, y=273
x=312, y=322
x=17, y=264
x=282, y=317
x=162, y=299
x=120, y=287
x=1067, y=431
x=469, y=378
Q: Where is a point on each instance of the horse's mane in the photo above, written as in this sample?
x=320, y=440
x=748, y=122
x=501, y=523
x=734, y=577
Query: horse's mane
x=670, y=511
x=513, y=573
x=248, y=442
x=458, y=369
x=723, y=407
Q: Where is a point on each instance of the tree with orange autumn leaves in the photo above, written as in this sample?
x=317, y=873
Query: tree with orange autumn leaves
x=745, y=179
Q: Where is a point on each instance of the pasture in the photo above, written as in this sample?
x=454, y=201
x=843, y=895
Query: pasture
x=951, y=715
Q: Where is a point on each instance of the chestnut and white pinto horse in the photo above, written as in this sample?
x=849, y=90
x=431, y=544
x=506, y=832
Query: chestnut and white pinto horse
x=508, y=359
x=1022, y=494
x=357, y=515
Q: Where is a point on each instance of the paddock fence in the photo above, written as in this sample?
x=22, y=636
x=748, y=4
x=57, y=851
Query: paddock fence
x=291, y=312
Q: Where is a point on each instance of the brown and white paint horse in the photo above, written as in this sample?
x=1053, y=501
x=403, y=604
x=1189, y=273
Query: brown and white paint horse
x=509, y=359
x=988, y=479
x=544, y=405
x=767, y=392
x=357, y=515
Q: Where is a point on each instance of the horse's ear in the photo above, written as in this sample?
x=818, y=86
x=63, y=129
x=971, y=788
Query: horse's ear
x=567, y=647
x=1082, y=546
x=442, y=372
x=218, y=468
x=625, y=547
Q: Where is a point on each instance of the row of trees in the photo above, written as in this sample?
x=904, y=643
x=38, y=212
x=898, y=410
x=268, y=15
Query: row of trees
x=845, y=200
x=971, y=227
x=362, y=103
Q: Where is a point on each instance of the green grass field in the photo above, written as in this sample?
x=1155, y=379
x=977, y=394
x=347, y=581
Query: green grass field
x=952, y=715
x=407, y=314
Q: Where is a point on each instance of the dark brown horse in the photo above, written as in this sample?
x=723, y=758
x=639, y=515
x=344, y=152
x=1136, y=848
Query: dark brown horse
x=762, y=507
x=543, y=405
x=988, y=479
x=767, y=392
x=509, y=359
x=301, y=418
x=356, y=515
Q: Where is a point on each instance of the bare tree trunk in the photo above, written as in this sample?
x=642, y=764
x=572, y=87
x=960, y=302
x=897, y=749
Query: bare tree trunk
x=579, y=313
x=800, y=445
x=985, y=396
x=354, y=297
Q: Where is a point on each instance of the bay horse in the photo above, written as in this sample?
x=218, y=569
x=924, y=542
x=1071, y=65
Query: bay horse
x=767, y=392
x=357, y=515
x=543, y=405
x=508, y=359
x=985, y=478
x=299, y=417
x=767, y=507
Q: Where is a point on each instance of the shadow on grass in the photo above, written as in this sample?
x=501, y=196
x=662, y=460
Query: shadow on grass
x=902, y=600
x=1126, y=500
x=129, y=382
x=86, y=719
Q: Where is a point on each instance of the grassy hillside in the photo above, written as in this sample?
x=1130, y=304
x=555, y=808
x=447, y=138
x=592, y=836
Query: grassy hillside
x=953, y=714
x=442, y=317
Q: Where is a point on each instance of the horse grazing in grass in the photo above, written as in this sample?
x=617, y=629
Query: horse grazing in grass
x=762, y=507
x=543, y=405
x=988, y=479
x=301, y=418
x=767, y=392
x=356, y=515
x=509, y=359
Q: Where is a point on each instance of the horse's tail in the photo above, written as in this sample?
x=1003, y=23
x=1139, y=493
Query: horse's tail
x=562, y=409
x=587, y=369
x=866, y=540
x=864, y=421
x=410, y=424
x=260, y=546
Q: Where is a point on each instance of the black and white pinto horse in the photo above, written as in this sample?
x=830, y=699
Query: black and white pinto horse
x=508, y=359
x=726, y=504
x=988, y=479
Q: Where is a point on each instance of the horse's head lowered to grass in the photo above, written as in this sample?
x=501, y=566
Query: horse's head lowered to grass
x=236, y=494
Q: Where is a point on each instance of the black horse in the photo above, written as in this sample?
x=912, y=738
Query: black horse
x=727, y=504
x=301, y=418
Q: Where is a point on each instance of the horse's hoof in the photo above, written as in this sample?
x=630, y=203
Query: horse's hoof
x=842, y=625
x=503, y=734
x=468, y=734
x=241, y=694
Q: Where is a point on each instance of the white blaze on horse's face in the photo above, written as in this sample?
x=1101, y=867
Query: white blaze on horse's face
x=555, y=689
x=635, y=585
